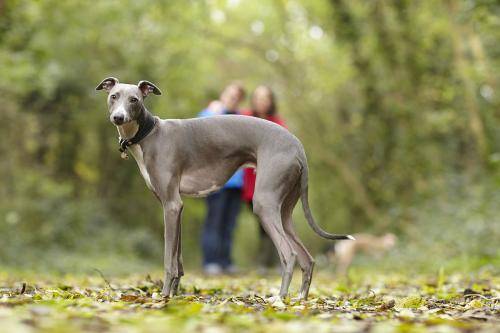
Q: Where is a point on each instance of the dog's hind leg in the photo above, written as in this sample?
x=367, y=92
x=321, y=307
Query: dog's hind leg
x=306, y=261
x=270, y=218
x=276, y=175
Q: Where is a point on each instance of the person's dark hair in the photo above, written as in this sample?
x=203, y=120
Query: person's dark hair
x=272, y=108
x=239, y=86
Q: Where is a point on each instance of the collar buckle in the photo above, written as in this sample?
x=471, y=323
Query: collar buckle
x=124, y=143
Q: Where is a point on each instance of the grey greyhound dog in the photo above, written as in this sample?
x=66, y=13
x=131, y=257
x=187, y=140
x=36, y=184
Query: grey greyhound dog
x=195, y=157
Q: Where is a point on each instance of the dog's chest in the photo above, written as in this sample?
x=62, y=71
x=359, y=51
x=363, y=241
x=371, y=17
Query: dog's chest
x=139, y=158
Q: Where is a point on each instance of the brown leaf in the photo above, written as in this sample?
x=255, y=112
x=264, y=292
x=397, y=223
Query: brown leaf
x=387, y=305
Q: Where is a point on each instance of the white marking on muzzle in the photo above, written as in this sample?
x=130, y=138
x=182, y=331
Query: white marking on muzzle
x=120, y=112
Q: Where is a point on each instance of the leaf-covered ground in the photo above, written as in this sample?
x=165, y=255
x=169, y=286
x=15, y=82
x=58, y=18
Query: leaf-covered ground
x=376, y=303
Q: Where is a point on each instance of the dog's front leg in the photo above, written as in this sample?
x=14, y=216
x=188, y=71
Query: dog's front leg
x=172, y=217
x=166, y=188
x=180, y=267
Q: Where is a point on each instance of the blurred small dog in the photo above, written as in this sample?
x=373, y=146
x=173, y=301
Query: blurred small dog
x=343, y=252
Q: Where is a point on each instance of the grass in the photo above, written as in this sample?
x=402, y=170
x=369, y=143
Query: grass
x=369, y=301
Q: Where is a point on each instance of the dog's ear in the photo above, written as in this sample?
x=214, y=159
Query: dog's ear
x=147, y=87
x=107, y=84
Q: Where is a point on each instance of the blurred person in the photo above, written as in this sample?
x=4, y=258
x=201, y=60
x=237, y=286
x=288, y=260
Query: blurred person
x=224, y=205
x=263, y=105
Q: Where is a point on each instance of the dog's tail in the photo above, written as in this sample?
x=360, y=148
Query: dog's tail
x=304, y=197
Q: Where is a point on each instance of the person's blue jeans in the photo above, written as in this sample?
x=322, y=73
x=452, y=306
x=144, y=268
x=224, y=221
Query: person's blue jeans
x=223, y=208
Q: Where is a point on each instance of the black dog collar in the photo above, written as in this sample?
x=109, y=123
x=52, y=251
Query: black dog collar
x=146, y=124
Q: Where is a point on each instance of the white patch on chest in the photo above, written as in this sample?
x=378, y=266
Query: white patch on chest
x=138, y=156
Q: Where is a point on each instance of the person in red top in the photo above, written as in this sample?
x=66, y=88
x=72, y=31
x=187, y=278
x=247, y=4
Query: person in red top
x=263, y=105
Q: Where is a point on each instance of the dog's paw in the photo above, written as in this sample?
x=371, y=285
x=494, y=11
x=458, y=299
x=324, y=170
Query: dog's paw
x=276, y=302
x=165, y=294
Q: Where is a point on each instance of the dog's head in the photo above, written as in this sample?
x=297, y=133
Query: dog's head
x=126, y=101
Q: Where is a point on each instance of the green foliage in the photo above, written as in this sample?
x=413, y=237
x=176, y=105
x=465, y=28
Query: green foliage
x=396, y=103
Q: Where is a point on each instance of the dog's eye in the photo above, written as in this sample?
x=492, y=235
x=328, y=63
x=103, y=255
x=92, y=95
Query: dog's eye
x=113, y=96
x=133, y=100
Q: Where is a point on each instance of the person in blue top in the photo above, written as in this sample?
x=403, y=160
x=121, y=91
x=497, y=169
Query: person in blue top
x=224, y=205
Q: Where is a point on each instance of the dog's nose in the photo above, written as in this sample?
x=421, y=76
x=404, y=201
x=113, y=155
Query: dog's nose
x=118, y=119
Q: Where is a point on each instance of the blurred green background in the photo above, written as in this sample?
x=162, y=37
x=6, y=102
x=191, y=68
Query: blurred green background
x=396, y=102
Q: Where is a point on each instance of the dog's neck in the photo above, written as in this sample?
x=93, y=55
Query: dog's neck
x=128, y=130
